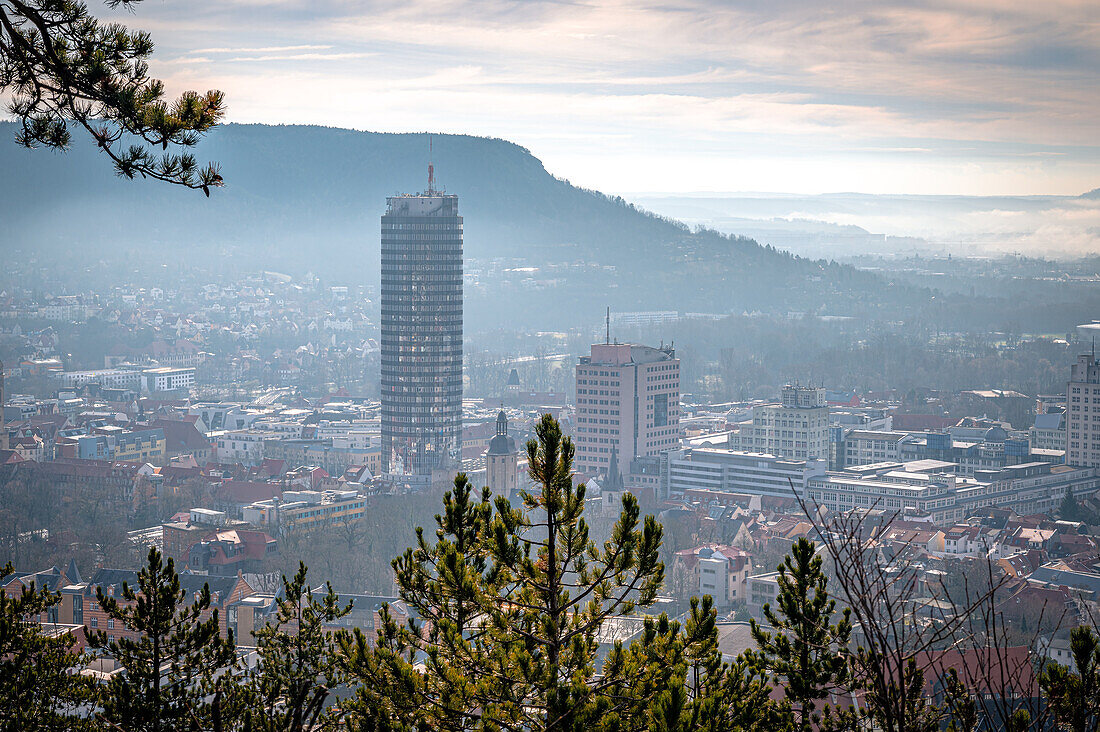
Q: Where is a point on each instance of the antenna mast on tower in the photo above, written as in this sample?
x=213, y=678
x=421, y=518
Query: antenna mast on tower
x=607, y=337
x=431, y=168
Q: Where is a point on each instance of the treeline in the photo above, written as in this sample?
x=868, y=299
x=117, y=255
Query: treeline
x=44, y=524
x=514, y=616
x=746, y=357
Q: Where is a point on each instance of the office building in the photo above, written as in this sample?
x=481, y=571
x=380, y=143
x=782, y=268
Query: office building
x=167, y=379
x=628, y=401
x=969, y=449
x=928, y=488
x=862, y=446
x=421, y=332
x=1083, y=413
x=732, y=471
x=797, y=427
x=1048, y=432
x=933, y=488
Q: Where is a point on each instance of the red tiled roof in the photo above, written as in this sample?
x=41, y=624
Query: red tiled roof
x=253, y=543
x=271, y=467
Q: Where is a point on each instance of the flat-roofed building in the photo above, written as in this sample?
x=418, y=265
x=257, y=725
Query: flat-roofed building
x=890, y=487
x=167, y=379
x=240, y=446
x=933, y=488
x=761, y=589
x=861, y=446
x=1083, y=413
x=797, y=427
x=1048, y=432
x=628, y=402
x=734, y=471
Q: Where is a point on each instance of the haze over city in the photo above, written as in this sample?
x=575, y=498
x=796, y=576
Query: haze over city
x=549, y=366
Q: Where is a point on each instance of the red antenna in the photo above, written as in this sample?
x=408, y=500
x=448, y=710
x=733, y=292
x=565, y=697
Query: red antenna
x=431, y=168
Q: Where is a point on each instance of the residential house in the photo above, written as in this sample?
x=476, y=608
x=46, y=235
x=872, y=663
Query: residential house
x=717, y=570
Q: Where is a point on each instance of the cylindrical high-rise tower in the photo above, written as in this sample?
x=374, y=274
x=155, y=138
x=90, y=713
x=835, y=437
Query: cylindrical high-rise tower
x=421, y=333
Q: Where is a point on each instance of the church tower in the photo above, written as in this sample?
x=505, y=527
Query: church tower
x=502, y=460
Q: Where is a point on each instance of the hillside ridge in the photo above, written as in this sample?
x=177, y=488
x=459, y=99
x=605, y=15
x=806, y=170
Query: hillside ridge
x=309, y=198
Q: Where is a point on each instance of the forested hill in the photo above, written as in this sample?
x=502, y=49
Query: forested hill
x=309, y=198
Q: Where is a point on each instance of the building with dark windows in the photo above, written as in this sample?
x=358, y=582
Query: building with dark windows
x=421, y=332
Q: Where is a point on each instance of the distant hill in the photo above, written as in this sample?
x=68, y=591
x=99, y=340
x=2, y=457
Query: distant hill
x=309, y=198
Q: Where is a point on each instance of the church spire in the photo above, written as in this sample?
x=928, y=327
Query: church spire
x=614, y=480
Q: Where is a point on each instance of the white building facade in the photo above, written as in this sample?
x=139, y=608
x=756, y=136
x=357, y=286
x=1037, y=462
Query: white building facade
x=734, y=471
x=1083, y=413
x=797, y=427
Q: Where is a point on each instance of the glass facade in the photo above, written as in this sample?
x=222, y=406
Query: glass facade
x=421, y=333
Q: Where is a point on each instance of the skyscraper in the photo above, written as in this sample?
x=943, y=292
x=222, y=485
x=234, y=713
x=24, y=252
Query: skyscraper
x=628, y=404
x=421, y=332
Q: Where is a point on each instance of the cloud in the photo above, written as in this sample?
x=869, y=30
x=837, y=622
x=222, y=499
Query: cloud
x=968, y=88
x=263, y=49
x=335, y=56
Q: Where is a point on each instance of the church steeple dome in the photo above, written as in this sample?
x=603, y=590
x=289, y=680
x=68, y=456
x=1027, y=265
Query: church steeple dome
x=502, y=444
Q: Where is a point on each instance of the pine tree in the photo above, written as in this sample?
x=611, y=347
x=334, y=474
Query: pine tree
x=806, y=655
x=60, y=65
x=711, y=695
x=171, y=668
x=297, y=669
x=959, y=706
x=39, y=689
x=552, y=591
x=516, y=602
x=1074, y=694
x=441, y=579
x=1069, y=510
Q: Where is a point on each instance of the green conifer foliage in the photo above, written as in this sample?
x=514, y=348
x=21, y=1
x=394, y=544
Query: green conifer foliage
x=806, y=655
x=1074, y=694
x=172, y=667
x=297, y=670
x=516, y=609
x=38, y=687
x=60, y=65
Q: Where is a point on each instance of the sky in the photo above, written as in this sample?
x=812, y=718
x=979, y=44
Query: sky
x=807, y=96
